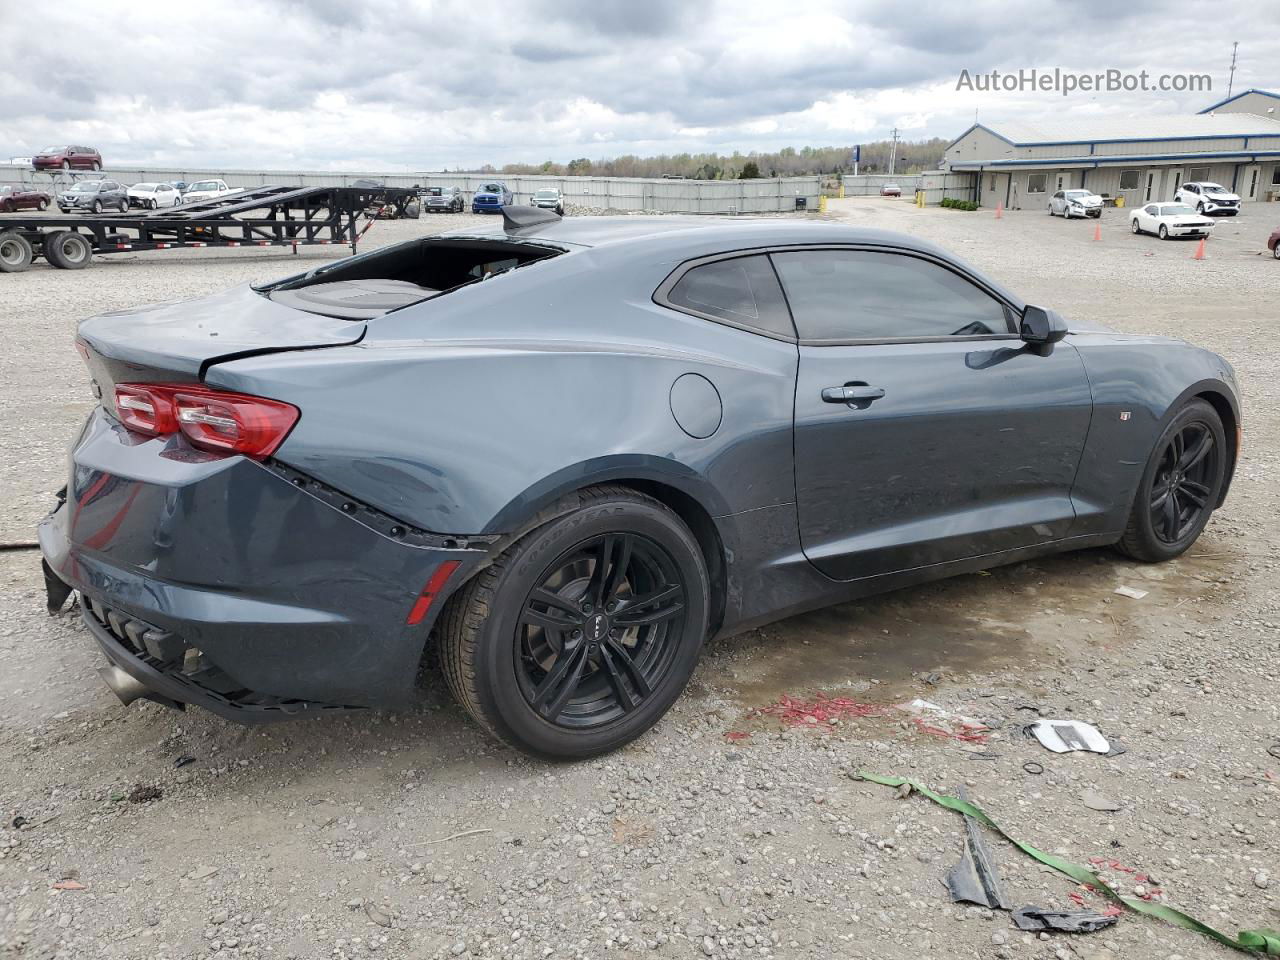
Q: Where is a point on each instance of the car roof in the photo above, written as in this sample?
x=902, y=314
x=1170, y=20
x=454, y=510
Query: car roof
x=714, y=233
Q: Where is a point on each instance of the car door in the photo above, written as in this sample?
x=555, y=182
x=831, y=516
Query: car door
x=1055, y=203
x=925, y=430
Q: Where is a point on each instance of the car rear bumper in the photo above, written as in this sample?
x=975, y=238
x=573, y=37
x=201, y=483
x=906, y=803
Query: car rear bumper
x=221, y=582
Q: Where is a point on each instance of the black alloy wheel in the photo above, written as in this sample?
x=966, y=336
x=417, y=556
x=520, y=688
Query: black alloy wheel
x=598, y=632
x=1185, y=478
x=582, y=634
x=1180, y=487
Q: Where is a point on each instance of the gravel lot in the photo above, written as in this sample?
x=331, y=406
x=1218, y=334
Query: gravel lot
x=358, y=836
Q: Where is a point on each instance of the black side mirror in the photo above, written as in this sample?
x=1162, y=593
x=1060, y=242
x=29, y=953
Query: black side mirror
x=1041, y=327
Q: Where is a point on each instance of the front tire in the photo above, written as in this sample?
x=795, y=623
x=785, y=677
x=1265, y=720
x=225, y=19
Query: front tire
x=1164, y=232
x=1134, y=225
x=42, y=206
x=1275, y=251
x=1180, y=486
x=581, y=635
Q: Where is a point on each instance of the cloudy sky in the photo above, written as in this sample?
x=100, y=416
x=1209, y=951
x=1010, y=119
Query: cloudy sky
x=386, y=85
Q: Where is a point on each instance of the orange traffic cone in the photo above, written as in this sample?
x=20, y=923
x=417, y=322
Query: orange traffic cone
x=1200, y=250
x=999, y=210
x=1097, y=231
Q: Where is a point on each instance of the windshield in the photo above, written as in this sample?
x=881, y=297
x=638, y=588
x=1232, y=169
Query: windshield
x=52, y=149
x=1175, y=209
x=1213, y=188
x=1077, y=194
x=205, y=185
x=491, y=188
x=6, y=189
x=547, y=194
x=83, y=187
x=145, y=186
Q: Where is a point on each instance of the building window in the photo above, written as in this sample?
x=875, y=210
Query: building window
x=1198, y=174
x=991, y=182
x=1035, y=182
x=1275, y=176
x=1129, y=179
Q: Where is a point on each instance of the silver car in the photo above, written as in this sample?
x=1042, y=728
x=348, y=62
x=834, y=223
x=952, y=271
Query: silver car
x=548, y=198
x=1075, y=203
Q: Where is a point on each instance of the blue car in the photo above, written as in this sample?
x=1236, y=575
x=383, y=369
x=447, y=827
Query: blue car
x=491, y=198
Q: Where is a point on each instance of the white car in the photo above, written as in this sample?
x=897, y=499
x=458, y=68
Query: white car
x=1075, y=203
x=208, y=190
x=154, y=195
x=1208, y=198
x=1167, y=220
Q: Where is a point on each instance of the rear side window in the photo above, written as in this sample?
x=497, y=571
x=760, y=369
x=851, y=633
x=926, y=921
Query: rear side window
x=742, y=291
x=861, y=295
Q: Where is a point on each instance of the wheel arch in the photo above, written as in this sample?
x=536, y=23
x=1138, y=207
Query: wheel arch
x=1225, y=409
x=687, y=494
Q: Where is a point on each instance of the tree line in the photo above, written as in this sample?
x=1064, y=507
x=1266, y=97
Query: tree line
x=912, y=157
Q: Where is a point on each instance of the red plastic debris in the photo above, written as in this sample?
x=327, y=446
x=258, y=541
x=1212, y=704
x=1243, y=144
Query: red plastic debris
x=821, y=710
x=737, y=735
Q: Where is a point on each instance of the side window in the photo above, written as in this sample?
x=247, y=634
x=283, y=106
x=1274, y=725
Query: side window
x=1150, y=209
x=743, y=290
x=1058, y=195
x=862, y=295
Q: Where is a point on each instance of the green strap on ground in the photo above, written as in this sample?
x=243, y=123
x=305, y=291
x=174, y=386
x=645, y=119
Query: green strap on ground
x=1264, y=942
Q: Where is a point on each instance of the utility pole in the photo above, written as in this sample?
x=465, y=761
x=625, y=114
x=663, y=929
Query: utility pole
x=1231, y=77
x=893, y=152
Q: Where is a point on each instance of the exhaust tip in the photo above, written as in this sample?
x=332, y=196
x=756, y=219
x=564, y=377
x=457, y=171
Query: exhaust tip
x=122, y=684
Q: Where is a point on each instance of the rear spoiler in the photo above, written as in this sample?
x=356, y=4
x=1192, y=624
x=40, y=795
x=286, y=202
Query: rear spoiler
x=516, y=218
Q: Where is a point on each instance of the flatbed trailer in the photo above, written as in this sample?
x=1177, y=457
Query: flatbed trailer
x=258, y=217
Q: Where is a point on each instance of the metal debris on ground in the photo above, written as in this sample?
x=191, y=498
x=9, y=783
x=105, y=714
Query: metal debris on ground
x=975, y=878
x=1133, y=593
x=1259, y=941
x=1065, y=736
x=183, y=761
x=1067, y=921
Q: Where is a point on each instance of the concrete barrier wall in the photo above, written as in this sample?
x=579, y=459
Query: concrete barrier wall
x=612, y=193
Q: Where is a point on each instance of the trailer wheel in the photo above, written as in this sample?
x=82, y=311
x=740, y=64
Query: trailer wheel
x=67, y=250
x=15, y=252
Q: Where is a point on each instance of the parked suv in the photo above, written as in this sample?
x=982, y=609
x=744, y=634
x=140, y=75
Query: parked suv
x=491, y=197
x=548, y=198
x=94, y=196
x=1208, y=198
x=443, y=200
x=67, y=158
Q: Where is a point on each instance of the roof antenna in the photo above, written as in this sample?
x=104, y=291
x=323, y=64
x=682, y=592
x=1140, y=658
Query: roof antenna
x=1231, y=77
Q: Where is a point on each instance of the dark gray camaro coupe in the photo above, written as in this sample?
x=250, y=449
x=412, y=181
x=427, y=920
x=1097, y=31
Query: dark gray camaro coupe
x=571, y=451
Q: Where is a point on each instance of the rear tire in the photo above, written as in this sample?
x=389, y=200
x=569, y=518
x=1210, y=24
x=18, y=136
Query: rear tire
x=15, y=252
x=67, y=250
x=1180, y=486
x=1275, y=251
x=616, y=665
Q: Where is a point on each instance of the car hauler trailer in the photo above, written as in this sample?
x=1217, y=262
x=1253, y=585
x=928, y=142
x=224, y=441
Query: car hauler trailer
x=261, y=217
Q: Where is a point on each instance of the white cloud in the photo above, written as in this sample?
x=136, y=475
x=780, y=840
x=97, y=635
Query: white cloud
x=402, y=85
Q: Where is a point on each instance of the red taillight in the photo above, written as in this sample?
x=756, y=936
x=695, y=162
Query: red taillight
x=429, y=593
x=210, y=419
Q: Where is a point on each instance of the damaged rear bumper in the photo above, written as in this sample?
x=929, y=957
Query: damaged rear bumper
x=230, y=584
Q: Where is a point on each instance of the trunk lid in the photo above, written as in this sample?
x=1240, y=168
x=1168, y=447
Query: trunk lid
x=178, y=341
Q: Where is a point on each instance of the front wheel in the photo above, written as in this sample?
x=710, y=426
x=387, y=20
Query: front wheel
x=579, y=637
x=1180, y=486
x=1164, y=232
x=1134, y=226
x=42, y=206
x=1275, y=251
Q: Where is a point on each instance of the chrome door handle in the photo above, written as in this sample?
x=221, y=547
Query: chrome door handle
x=853, y=393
